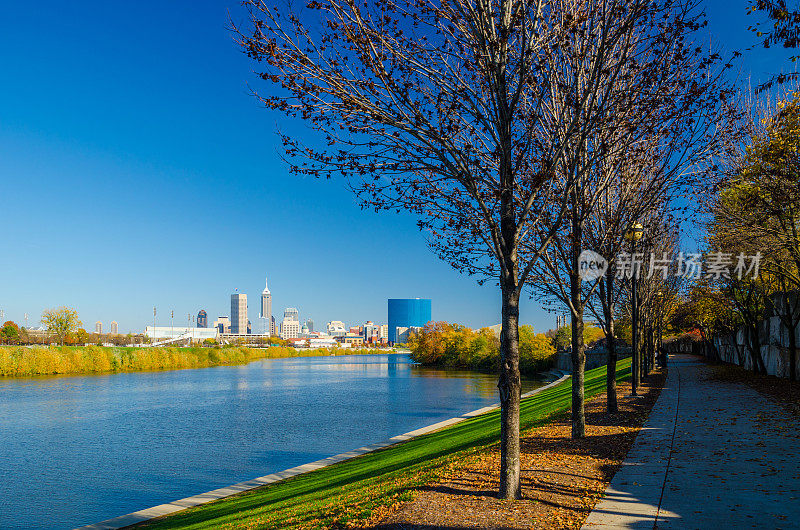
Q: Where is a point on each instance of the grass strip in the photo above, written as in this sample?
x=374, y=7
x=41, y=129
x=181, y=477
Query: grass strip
x=345, y=493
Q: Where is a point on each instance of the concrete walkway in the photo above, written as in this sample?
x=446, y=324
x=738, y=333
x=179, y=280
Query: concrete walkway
x=712, y=454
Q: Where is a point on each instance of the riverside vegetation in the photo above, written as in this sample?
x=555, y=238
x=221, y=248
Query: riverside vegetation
x=456, y=346
x=51, y=360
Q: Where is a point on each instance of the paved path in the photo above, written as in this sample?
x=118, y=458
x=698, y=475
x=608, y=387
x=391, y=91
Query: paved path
x=712, y=454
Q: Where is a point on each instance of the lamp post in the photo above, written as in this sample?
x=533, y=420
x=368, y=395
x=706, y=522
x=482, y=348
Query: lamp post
x=662, y=356
x=634, y=234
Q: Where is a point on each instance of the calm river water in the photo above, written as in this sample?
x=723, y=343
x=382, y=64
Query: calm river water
x=80, y=449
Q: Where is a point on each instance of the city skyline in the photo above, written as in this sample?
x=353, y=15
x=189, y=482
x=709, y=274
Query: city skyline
x=113, y=172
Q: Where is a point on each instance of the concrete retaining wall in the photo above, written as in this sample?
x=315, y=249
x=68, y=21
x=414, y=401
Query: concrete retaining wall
x=774, y=338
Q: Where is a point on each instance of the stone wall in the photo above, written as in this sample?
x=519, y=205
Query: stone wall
x=774, y=337
x=594, y=358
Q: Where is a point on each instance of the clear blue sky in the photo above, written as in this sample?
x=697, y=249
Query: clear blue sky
x=136, y=170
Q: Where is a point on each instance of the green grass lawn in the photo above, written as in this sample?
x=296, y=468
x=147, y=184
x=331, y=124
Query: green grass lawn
x=352, y=490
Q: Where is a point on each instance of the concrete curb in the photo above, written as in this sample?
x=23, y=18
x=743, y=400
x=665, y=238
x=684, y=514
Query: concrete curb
x=203, y=498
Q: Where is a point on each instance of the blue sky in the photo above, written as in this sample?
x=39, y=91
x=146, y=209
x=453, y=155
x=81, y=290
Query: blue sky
x=137, y=171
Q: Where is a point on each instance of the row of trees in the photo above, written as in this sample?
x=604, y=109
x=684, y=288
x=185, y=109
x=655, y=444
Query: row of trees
x=518, y=132
x=755, y=212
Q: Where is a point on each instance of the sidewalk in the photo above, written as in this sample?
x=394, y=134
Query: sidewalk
x=711, y=455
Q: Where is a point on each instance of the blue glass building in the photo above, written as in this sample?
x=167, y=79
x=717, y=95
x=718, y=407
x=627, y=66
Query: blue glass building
x=407, y=313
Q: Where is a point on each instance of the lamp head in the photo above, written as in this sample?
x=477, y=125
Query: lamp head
x=634, y=232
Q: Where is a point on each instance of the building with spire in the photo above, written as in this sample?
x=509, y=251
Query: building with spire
x=266, y=309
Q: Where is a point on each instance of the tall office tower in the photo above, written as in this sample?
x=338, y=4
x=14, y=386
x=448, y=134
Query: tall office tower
x=238, y=313
x=266, y=308
x=407, y=313
x=291, y=313
x=202, y=319
x=290, y=328
x=272, y=326
x=310, y=324
x=249, y=328
x=114, y=327
x=98, y=327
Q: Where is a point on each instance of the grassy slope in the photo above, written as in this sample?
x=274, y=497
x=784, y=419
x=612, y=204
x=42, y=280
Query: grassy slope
x=351, y=490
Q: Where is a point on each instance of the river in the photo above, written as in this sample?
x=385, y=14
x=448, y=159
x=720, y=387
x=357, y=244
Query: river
x=75, y=450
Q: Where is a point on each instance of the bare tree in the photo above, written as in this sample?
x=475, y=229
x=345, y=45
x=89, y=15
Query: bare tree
x=434, y=109
x=660, y=97
x=461, y=113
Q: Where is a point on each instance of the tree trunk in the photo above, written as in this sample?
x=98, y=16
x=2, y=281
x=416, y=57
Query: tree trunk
x=578, y=370
x=792, y=329
x=792, y=353
x=611, y=346
x=635, y=357
x=510, y=390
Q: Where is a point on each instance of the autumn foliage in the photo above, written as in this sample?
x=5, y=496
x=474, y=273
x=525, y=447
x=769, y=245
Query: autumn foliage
x=456, y=346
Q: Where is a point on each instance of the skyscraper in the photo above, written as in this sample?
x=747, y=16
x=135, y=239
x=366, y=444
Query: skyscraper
x=290, y=327
x=239, y=313
x=98, y=327
x=114, y=327
x=407, y=313
x=310, y=324
x=266, y=308
x=202, y=319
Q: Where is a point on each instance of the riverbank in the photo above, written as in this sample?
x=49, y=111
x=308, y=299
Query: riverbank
x=24, y=361
x=355, y=492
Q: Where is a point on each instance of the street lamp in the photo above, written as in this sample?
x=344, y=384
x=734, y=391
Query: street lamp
x=633, y=234
x=662, y=356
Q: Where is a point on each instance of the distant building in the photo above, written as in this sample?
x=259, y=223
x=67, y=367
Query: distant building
x=291, y=313
x=304, y=329
x=266, y=309
x=222, y=325
x=114, y=327
x=335, y=328
x=98, y=327
x=310, y=324
x=383, y=332
x=351, y=340
x=370, y=330
x=249, y=328
x=290, y=329
x=403, y=333
x=171, y=332
x=238, y=313
x=202, y=319
x=407, y=313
